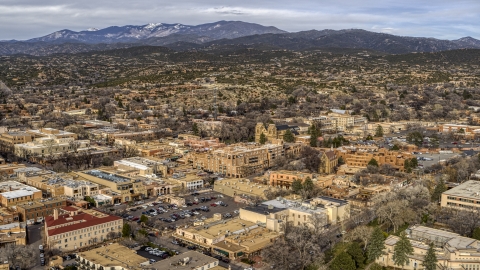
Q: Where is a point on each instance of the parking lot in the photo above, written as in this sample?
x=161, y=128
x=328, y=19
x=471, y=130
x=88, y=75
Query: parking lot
x=433, y=158
x=229, y=206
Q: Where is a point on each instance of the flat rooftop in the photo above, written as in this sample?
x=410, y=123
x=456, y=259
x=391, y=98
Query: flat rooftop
x=263, y=209
x=469, y=189
x=188, y=260
x=108, y=176
x=114, y=255
x=238, y=186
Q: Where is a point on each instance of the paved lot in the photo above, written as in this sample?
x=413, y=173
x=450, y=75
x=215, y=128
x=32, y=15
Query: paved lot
x=435, y=158
x=166, y=242
x=232, y=206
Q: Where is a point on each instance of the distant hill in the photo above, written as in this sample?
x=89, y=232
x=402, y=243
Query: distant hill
x=133, y=33
x=227, y=34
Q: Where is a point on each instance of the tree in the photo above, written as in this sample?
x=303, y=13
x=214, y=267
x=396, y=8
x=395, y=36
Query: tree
x=308, y=184
x=439, y=189
x=343, y=261
x=362, y=233
x=144, y=219
x=373, y=162
x=476, y=233
x=340, y=161
x=314, y=133
x=395, y=147
x=297, y=185
x=379, y=131
x=126, y=230
x=195, y=129
x=263, y=139
x=288, y=136
x=376, y=244
x=415, y=137
x=430, y=260
x=402, y=249
x=90, y=200
x=356, y=253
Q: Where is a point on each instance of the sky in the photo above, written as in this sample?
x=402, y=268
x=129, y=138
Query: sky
x=443, y=19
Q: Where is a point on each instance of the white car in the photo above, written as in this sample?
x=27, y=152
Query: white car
x=148, y=248
x=186, y=215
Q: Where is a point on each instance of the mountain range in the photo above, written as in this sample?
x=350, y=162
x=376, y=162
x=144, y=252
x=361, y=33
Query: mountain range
x=226, y=33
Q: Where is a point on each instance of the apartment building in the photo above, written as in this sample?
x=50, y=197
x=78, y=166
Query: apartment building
x=48, y=145
x=190, y=260
x=355, y=158
x=463, y=196
x=325, y=210
x=10, y=168
x=8, y=215
x=144, y=166
x=232, y=238
x=39, y=209
x=453, y=251
x=9, y=139
x=239, y=160
x=188, y=181
x=13, y=193
x=79, y=188
x=51, y=132
x=285, y=178
x=112, y=257
x=136, y=136
x=127, y=188
x=77, y=227
x=13, y=234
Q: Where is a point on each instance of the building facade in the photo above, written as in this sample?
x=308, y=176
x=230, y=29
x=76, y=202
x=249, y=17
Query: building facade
x=76, y=228
x=465, y=196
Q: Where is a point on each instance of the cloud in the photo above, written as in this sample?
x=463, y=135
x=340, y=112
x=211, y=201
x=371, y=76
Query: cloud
x=23, y=19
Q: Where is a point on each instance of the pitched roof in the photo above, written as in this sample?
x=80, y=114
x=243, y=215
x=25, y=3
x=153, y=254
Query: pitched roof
x=75, y=222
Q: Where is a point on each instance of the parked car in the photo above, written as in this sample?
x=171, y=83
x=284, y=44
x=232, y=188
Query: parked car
x=174, y=242
x=213, y=204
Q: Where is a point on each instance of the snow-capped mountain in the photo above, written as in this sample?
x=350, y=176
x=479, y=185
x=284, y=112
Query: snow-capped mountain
x=132, y=33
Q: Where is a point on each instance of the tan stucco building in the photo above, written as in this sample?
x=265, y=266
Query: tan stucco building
x=76, y=227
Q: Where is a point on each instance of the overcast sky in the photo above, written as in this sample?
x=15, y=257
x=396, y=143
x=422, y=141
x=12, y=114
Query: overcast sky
x=445, y=19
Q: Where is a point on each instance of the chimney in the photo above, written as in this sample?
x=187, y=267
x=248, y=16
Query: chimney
x=55, y=214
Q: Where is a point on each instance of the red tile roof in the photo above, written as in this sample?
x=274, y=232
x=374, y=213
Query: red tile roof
x=83, y=220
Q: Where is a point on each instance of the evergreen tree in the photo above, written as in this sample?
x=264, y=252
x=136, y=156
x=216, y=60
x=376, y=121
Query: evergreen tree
x=263, y=138
x=414, y=163
x=369, y=138
x=377, y=244
x=195, y=129
x=143, y=219
x=308, y=184
x=314, y=133
x=343, y=261
x=356, y=252
x=340, y=161
x=297, y=185
x=439, y=189
x=379, y=131
x=373, y=162
x=288, y=136
x=401, y=250
x=375, y=266
x=120, y=104
x=395, y=148
x=126, y=230
x=430, y=260
x=476, y=233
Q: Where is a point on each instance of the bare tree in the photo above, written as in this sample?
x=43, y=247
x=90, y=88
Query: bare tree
x=362, y=233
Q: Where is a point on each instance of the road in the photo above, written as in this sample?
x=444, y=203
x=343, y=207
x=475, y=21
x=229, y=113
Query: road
x=35, y=238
